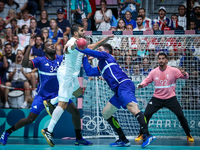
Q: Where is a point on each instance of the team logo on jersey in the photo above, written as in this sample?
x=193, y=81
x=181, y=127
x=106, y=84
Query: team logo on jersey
x=150, y=103
x=47, y=64
x=58, y=63
x=35, y=106
x=167, y=76
x=156, y=78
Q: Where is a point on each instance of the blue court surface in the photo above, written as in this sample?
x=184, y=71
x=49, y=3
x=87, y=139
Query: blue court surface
x=99, y=144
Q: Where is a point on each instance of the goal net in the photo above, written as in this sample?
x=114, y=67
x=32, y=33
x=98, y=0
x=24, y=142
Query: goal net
x=137, y=57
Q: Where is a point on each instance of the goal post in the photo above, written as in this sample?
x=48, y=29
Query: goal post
x=183, y=51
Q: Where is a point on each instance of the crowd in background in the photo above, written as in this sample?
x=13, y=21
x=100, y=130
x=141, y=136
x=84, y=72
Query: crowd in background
x=137, y=56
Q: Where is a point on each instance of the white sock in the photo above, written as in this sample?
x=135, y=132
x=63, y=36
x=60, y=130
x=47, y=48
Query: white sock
x=53, y=101
x=55, y=117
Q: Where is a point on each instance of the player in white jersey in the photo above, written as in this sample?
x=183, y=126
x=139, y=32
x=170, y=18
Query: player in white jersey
x=67, y=75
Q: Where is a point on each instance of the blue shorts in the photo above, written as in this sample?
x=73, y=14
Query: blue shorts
x=124, y=95
x=37, y=105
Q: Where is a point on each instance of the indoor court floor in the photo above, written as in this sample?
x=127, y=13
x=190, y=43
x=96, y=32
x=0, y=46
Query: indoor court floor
x=99, y=144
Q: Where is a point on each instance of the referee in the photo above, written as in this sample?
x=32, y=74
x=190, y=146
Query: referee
x=164, y=78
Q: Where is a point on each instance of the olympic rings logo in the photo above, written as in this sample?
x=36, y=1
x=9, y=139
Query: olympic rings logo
x=91, y=124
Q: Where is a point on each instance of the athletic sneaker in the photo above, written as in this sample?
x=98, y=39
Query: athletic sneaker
x=4, y=138
x=7, y=105
x=48, y=136
x=139, y=137
x=190, y=139
x=83, y=142
x=49, y=107
x=121, y=143
x=147, y=140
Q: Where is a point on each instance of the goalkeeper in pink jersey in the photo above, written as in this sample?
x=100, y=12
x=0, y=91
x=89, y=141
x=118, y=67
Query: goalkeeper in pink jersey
x=164, y=78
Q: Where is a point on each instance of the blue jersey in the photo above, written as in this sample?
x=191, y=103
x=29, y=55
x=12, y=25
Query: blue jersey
x=107, y=67
x=47, y=70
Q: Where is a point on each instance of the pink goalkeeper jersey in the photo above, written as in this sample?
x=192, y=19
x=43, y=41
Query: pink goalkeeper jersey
x=164, y=81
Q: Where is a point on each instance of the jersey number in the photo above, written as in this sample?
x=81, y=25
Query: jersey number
x=163, y=82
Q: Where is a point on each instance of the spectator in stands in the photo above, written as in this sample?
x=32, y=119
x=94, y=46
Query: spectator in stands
x=15, y=44
x=29, y=5
x=2, y=28
x=147, y=22
x=2, y=12
x=128, y=68
x=128, y=19
x=152, y=57
x=197, y=48
x=155, y=25
x=25, y=19
x=116, y=53
x=83, y=11
x=190, y=62
x=45, y=34
x=11, y=4
x=15, y=29
x=128, y=5
x=8, y=36
x=140, y=26
x=143, y=52
x=24, y=36
x=174, y=23
x=37, y=48
x=182, y=21
x=44, y=20
x=129, y=27
x=121, y=26
x=3, y=68
x=56, y=35
x=192, y=9
x=197, y=17
x=145, y=66
x=102, y=17
x=63, y=24
x=18, y=78
x=136, y=69
x=33, y=27
x=192, y=25
x=162, y=46
x=135, y=57
x=195, y=4
x=163, y=20
x=11, y=15
x=172, y=58
x=8, y=53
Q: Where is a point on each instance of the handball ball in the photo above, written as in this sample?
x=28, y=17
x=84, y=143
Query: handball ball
x=82, y=44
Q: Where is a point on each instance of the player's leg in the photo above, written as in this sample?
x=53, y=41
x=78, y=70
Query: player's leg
x=72, y=109
x=175, y=107
x=153, y=106
x=27, y=94
x=126, y=94
x=64, y=94
x=36, y=108
x=111, y=107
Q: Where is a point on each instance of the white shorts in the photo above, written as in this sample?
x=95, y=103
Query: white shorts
x=67, y=86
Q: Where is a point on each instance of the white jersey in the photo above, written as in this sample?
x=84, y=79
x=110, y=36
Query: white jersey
x=72, y=62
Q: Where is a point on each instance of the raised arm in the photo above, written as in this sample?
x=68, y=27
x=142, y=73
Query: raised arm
x=146, y=81
x=104, y=40
x=88, y=69
x=90, y=52
x=26, y=62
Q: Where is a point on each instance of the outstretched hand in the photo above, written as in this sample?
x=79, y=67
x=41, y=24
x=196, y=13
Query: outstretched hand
x=139, y=86
x=182, y=71
x=32, y=40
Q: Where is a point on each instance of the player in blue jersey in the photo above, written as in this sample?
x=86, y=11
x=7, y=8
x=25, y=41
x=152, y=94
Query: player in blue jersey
x=47, y=89
x=124, y=90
